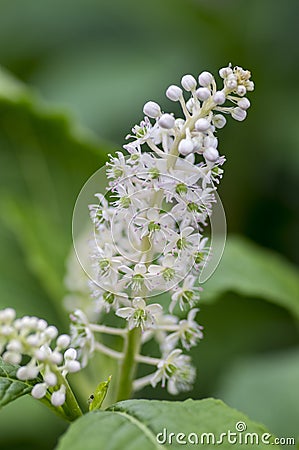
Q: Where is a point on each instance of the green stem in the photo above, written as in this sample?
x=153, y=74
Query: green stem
x=128, y=366
x=71, y=408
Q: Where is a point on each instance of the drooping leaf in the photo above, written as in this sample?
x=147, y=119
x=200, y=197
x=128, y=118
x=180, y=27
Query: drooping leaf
x=250, y=270
x=135, y=424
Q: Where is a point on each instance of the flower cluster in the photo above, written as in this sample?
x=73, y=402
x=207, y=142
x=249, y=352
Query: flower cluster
x=149, y=226
x=33, y=338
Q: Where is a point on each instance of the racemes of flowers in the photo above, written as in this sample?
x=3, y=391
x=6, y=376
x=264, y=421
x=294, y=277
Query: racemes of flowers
x=148, y=240
x=34, y=345
x=148, y=230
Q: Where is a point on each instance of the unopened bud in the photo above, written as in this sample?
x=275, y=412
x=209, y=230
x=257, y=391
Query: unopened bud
x=39, y=390
x=225, y=72
x=203, y=93
x=244, y=103
x=238, y=114
x=211, y=154
x=63, y=341
x=174, y=93
x=167, y=121
x=185, y=147
x=152, y=109
x=202, y=125
x=219, y=97
x=188, y=82
x=58, y=397
x=205, y=78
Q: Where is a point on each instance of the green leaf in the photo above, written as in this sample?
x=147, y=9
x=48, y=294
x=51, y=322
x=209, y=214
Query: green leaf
x=99, y=395
x=135, y=424
x=45, y=159
x=11, y=387
x=250, y=270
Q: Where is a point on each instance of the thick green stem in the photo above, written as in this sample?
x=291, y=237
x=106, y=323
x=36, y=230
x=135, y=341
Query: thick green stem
x=128, y=366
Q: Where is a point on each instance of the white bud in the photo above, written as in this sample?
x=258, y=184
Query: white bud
x=174, y=93
x=27, y=372
x=55, y=357
x=202, y=125
x=241, y=90
x=219, y=121
x=244, y=103
x=7, y=315
x=210, y=141
x=51, y=332
x=32, y=322
x=33, y=340
x=72, y=366
x=185, y=147
x=58, y=397
x=211, y=154
x=14, y=346
x=250, y=86
x=225, y=72
x=42, y=325
x=231, y=82
x=41, y=354
x=12, y=357
x=39, y=390
x=238, y=114
x=6, y=330
x=63, y=341
x=50, y=378
x=70, y=353
x=205, y=78
x=152, y=109
x=219, y=97
x=188, y=82
x=203, y=93
x=167, y=121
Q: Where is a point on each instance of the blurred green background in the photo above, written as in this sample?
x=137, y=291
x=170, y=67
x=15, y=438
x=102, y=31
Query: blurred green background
x=75, y=77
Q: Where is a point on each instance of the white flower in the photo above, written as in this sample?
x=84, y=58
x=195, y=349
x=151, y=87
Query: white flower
x=186, y=294
x=100, y=212
x=168, y=271
x=154, y=224
x=136, y=278
x=82, y=337
x=182, y=241
x=175, y=368
x=189, y=332
x=105, y=262
x=140, y=314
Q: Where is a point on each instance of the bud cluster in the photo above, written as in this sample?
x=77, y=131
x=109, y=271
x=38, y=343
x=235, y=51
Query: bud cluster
x=148, y=228
x=48, y=353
